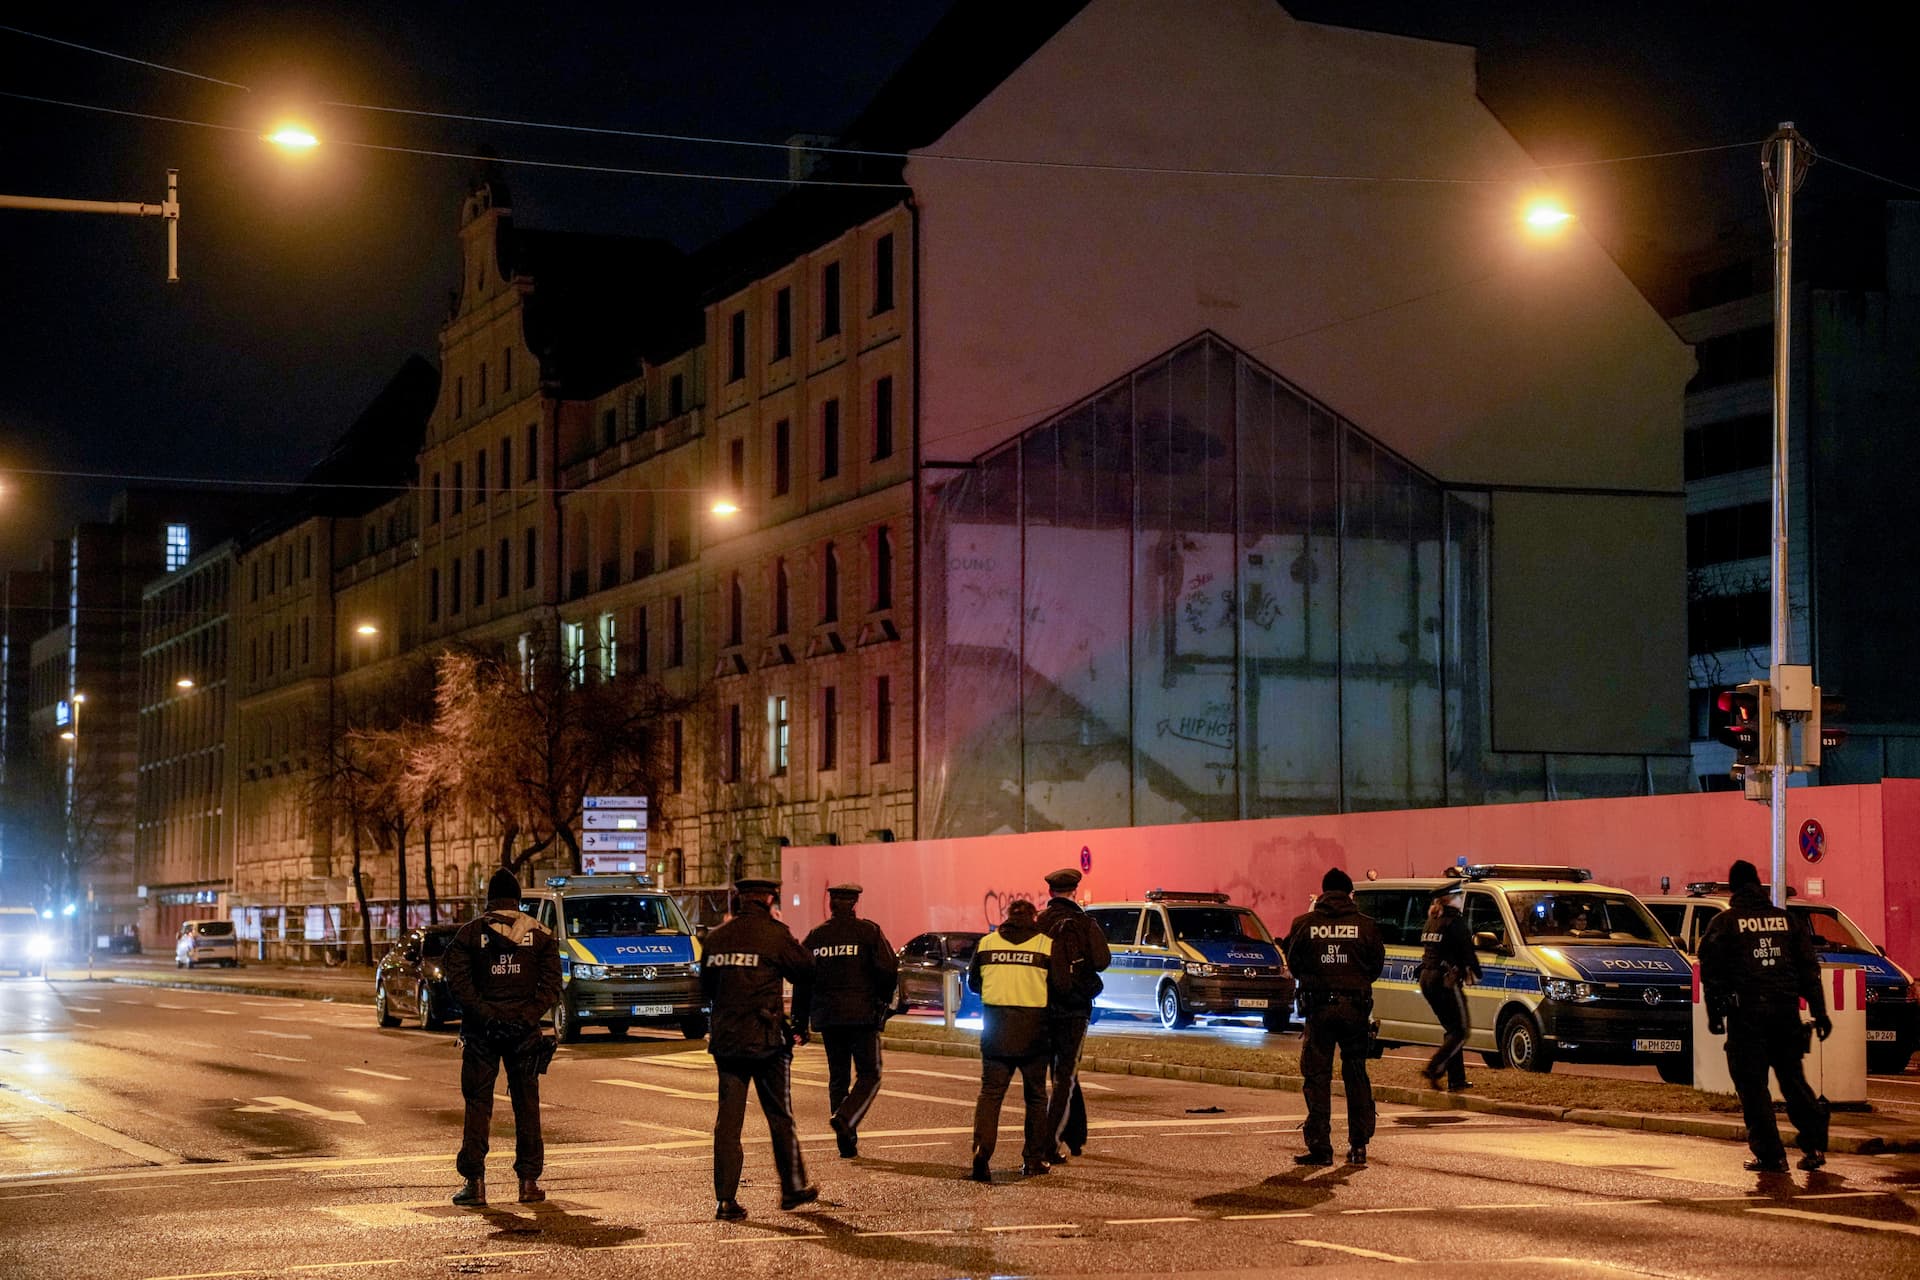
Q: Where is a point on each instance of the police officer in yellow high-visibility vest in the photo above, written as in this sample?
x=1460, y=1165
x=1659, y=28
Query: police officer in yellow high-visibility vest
x=1013, y=972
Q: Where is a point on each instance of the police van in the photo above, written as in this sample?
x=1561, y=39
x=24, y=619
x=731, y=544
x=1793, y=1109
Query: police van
x=627, y=955
x=1893, y=1006
x=1178, y=956
x=1569, y=969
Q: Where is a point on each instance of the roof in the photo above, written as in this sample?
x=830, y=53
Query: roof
x=377, y=458
x=599, y=304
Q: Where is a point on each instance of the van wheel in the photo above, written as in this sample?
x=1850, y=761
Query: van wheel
x=1675, y=1068
x=694, y=1028
x=1522, y=1045
x=1890, y=1061
x=1173, y=1014
x=1493, y=1060
x=565, y=1027
x=617, y=1028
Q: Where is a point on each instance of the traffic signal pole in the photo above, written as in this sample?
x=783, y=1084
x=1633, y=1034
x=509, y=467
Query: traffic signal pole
x=1783, y=171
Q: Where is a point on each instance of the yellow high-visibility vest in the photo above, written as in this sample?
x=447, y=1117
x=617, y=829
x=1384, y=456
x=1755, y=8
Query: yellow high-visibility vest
x=1015, y=973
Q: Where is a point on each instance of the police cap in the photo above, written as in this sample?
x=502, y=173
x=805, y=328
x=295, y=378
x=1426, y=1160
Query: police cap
x=757, y=886
x=848, y=890
x=1447, y=890
x=1065, y=880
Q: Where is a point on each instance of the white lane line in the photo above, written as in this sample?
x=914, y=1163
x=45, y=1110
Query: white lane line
x=1134, y=1222
x=269, y=1004
x=80, y=1008
x=1710, y=1199
x=90, y=1026
x=1864, y=1224
x=666, y=1128
x=504, y=1253
x=1257, y=1217
x=664, y=1244
x=328, y=1266
x=277, y=1057
x=34, y=1195
x=218, y=1013
x=1038, y=1226
x=282, y=1035
x=380, y=1075
x=1352, y=1249
x=1414, y=1208
x=208, y=1275
x=228, y=1182
x=1533, y=1204
x=661, y=1088
x=140, y=1003
x=925, y=1231
x=1841, y=1195
x=818, y=1235
x=895, y=1146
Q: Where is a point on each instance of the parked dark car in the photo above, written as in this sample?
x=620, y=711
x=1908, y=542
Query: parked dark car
x=925, y=958
x=410, y=979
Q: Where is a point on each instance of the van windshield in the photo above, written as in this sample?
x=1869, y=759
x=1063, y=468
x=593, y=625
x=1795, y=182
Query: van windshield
x=1586, y=917
x=622, y=915
x=214, y=928
x=1222, y=924
x=18, y=921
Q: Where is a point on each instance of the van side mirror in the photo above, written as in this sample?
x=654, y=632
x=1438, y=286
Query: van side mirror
x=1485, y=941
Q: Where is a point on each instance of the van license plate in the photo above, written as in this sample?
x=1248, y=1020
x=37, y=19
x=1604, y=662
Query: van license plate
x=1249, y=1004
x=1882, y=1036
x=1656, y=1046
x=652, y=1010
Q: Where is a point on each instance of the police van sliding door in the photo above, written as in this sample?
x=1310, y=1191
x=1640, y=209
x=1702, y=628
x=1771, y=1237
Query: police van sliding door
x=1485, y=997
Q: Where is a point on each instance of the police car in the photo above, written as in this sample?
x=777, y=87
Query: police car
x=627, y=955
x=1569, y=969
x=1893, y=1006
x=1178, y=956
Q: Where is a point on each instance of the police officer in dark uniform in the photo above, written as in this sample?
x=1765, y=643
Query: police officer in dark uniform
x=742, y=968
x=505, y=970
x=1336, y=954
x=1446, y=968
x=1757, y=963
x=854, y=974
x=1080, y=952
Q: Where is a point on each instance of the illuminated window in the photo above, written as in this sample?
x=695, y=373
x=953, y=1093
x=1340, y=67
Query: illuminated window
x=177, y=547
x=573, y=646
x=777, y=731
x=609, y=647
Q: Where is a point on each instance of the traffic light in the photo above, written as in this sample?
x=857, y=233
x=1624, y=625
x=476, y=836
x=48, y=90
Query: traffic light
x=1744, y=721
x=1820, y=736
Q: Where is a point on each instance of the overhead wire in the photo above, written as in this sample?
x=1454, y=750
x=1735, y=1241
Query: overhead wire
x=121, y=57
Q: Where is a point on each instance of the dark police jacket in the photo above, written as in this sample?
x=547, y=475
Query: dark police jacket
x=1449, y=948
x=741, y=969
x=1016, y=984
x=1758, y=958
x=1334, y=949
x=1080, y=951
x=504, y=967
x=854, y=971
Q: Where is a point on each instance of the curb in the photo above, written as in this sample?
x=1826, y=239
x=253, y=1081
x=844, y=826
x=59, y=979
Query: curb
x=1703, y=1126
x=280, y=992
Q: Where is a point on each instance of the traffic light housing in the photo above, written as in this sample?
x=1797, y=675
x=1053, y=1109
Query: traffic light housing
x=1744, y=721
x=1819, y=736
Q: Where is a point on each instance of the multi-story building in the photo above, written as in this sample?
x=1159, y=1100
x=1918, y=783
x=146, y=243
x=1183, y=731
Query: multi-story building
x=1856, y=331
x=26, y=613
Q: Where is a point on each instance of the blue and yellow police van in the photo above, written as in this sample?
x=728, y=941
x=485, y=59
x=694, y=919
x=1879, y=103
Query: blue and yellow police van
x=1178, y=956
x=1568, y=970
x=627, y=955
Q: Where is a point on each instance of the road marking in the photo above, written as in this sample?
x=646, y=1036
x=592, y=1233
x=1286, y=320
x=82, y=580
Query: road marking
x=664, y=1244
x=274, y=1104
x=382, y=1075
x=1038, y=1226
x=90, y=1026
x=1255, y=1217
x=818, y=1235
x=328, y=1266
x=228, y=1182
x=968, y=1103
x=1352, y=1249
x=1134, y=1222
x=80, y=1008
x=1418, y=1208
x=277, y=1057
x=661, y=1088
x=281, y=1035
x=895, y=1146
x=216, y=1013
x=665, y=1128
x=927, y=1231
x=1864, y=1224
x=34, y=1195
x=504, y=1253
x=98, y=1132
x=1539, y=1204
x=207, y=1275
x=1840, y=1195
x=1748, y=1195
x=269, y=1004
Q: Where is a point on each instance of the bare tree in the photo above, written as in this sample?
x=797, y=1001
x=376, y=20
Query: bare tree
x=525, y=742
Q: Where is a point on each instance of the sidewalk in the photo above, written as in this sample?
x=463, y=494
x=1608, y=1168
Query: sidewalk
x=1851, y=1132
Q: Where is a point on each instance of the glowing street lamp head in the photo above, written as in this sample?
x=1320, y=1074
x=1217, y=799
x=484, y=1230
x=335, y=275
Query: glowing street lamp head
x=1545, y=215
x=292, y=138
x=79, y=697
x=366, y=629
x=67, y=736
x=184, y=682
x=725, y=508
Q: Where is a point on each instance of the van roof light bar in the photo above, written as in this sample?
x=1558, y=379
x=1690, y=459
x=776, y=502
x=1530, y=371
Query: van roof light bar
x=1183, y=895
x=1526, y=871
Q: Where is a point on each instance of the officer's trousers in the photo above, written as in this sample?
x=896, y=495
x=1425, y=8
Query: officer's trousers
x=1763, y=1040
x=1066, y=1107
x=995, y=1075
x=479, y=1069
x=853, y=1072
x=770, y=1078
x=1342, y=1024
x=1449, y=1004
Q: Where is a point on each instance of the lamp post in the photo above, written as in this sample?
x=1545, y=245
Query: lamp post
x=72, y=739
x=168, y=209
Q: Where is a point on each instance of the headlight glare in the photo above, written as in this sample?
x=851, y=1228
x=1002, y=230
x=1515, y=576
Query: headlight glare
x=40, y=945
x=1565, y=989
x=592, y=971
x=1202, y=970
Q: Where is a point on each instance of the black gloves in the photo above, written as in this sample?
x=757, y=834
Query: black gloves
x=1716, y=1025
x=1822, y=1026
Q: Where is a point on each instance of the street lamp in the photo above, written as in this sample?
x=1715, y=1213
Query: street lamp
x=723, y=507
x=168, y=209
x=292, y=138
x=1545, y=215
x=366, y=629
x=184, y=682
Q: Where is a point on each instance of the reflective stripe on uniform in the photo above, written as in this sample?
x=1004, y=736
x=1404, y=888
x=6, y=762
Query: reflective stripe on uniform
x=1015, y=973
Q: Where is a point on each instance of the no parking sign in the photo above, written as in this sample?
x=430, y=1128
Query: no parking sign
x=1813, y=840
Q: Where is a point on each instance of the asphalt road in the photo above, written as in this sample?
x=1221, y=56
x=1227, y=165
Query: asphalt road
x=154, y=1133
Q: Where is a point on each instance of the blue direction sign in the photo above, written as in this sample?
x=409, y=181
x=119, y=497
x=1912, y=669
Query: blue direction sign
x=615, y=819
x=614, y=841
x=615, y=802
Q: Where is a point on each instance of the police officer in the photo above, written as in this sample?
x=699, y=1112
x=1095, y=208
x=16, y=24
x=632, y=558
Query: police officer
x=742, y=968
x=854, y=973
x=1081, y=953
x=1336, y=954
x=1757, y=963
x=1446, y=968
x=1013, y=972
x=505, y=970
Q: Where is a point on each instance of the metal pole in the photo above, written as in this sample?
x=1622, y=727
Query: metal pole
x=1778, y=164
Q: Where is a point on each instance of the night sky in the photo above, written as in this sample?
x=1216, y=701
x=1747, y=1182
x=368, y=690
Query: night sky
x=306, y=282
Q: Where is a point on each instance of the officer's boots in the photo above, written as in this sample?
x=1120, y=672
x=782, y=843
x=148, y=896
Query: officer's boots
x=845, y=1138
x=530, y=1192
x=1356, y=1155
x=729, y=1211
x=980, y=1171
x=472, y=1192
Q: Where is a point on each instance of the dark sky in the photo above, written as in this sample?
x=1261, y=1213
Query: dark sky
x=304, y=284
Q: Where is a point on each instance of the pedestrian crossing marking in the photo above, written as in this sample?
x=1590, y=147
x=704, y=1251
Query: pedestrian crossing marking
x=711, y=1096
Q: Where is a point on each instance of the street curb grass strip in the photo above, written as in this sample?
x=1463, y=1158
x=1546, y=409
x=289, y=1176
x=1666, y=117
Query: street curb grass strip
x=1235, y=1077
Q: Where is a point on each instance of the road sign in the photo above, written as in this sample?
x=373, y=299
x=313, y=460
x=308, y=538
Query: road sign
x=1813, y=840
x=615, y=802
x=1086, y=859
x=614, y=820
x=614, y=841
x=613, y=864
